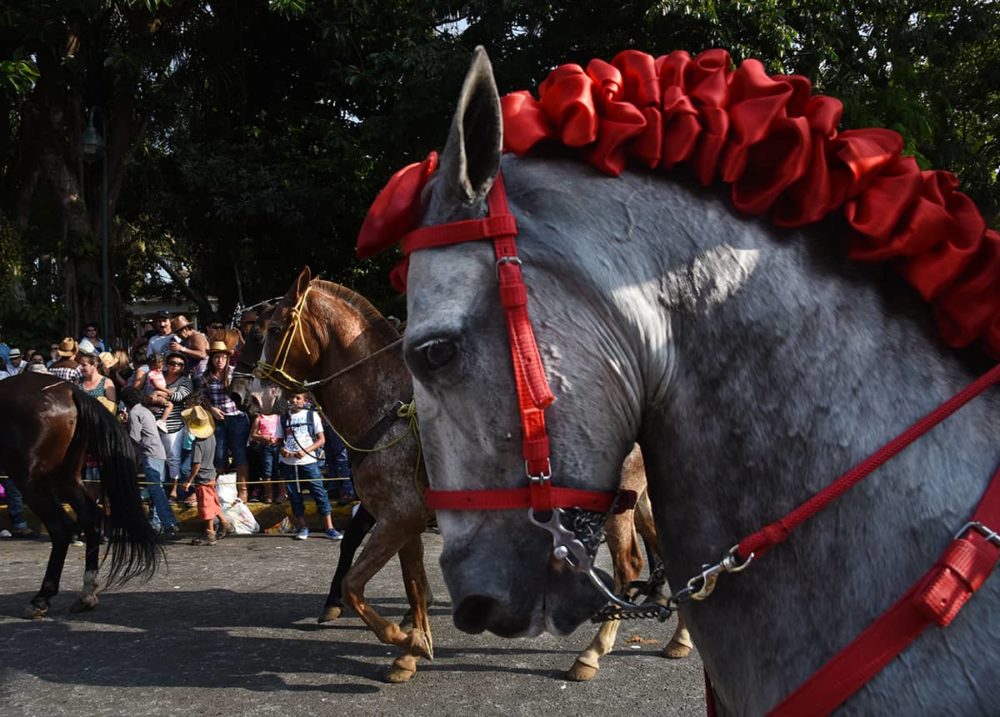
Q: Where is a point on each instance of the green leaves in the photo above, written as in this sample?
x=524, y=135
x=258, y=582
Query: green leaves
x=20, y=75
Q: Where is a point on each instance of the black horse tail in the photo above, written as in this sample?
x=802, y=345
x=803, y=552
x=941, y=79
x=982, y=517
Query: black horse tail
x=134, y=548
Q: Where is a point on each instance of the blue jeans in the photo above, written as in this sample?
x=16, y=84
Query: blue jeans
x=268, y=461
x=15, y=504
x=232, y=434
x=155, y=472
x=310, y=473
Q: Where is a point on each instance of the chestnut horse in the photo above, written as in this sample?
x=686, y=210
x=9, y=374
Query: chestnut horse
x=343, y=330
x=49, y=425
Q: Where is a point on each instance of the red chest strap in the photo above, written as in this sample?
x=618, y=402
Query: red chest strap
x=935, y=599
x=533, y=392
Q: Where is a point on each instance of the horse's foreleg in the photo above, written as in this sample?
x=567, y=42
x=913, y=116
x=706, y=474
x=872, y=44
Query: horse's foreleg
x=623, y=544
x=60, y=527
x=680, y=644
x=89, y=517
x=411, y=560
x=588, y=662
x=361, y=523
x=386, y=541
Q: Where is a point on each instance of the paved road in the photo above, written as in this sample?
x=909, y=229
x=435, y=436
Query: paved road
x=231, y=630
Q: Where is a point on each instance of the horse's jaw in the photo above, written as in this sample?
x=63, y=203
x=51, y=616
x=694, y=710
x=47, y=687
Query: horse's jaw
x=517, y=591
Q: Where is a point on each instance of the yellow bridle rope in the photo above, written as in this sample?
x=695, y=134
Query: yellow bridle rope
x=275, y=372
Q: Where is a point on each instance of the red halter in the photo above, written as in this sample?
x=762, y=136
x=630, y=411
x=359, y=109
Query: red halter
x=533, y=392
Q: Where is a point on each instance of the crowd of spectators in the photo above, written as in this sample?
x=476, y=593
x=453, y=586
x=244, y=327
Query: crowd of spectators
x=171, y=373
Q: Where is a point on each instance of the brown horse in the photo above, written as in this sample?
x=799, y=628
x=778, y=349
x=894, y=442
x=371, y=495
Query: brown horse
x=49, y=425
x=321, y=330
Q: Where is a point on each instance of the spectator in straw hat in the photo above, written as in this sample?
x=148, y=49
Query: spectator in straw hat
x=247, y=321
x=16, y=364
x=233, y=432
x=191, y=344
x=85, y=348
x=200, y=425
x=66, y=367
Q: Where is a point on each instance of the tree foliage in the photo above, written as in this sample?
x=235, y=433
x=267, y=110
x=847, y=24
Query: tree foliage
x=245, y=139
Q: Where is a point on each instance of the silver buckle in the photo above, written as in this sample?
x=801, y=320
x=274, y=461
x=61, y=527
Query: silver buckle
x=987, y=532
x=506, y=260
x=543, y=476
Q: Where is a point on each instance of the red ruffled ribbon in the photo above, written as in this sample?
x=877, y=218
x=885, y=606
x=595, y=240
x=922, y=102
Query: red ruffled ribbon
x=778, y=147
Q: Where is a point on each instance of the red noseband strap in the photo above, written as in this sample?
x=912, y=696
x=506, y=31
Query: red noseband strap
x=533, y=392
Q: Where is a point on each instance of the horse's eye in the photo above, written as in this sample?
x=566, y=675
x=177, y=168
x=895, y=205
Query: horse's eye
x=274, y=331
x=437, y=353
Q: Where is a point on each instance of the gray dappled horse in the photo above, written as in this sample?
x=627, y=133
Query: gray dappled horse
x=752, y=365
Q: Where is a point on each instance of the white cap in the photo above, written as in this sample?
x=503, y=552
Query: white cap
x=86, y=347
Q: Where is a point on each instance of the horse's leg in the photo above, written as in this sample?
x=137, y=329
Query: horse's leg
x=88, y=518
x=627, y=562
x=361, y=522
x=411, y=559
x=680, y=644
x=387, y=540
x=60, y=527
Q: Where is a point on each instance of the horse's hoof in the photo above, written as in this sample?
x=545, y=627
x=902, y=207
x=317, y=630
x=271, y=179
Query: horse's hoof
x=403, y=669
x=330, y=613
x=676, y=650
x=419, y=642
x=83, y=604
x=33, y=612
x=580, y=672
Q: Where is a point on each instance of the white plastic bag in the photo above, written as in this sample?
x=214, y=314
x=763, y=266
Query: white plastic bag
x=225, y=486
x=241, y=517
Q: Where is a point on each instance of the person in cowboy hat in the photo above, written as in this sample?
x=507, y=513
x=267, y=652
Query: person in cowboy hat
x=247, y=320
x=15, y=365
x=234, y=425
x=66, y=367
x=85, y=348
x=201, y=426
x=189, y=343
x=159, y=343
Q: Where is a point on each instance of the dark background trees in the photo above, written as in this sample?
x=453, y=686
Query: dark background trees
x=247, y=138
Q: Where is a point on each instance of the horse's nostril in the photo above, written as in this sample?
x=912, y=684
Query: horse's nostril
x=473, y=613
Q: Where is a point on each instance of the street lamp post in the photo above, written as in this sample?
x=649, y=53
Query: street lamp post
x=93, y=147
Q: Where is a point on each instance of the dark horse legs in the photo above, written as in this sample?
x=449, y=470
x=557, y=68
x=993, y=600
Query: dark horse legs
x=60, y=527
x=361, y=523
x=89, y=519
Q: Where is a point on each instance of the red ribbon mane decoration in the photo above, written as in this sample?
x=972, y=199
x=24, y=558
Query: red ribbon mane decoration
x=776, y=144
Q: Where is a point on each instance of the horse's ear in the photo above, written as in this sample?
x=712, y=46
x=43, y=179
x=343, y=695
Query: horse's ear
x=302, y=283
x=471, y=158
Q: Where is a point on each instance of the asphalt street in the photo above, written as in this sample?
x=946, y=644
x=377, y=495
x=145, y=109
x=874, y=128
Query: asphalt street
x=231, y=630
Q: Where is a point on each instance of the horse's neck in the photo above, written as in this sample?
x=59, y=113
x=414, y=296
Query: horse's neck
x=375, y=379
x=769, y=364
x=789, y=366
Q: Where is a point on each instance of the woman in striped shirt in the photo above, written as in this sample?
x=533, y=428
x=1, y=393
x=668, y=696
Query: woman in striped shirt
x=178, y=387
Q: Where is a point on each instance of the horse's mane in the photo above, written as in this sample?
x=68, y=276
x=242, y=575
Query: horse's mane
x=779, y=147
x=372, y=316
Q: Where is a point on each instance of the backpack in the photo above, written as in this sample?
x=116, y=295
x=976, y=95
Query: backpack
x=286, y=420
